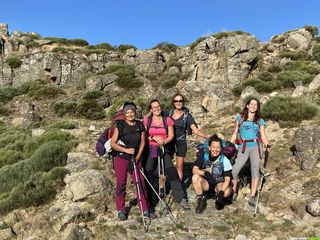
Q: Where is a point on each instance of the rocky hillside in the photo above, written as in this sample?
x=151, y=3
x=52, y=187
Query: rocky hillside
x=58, y=94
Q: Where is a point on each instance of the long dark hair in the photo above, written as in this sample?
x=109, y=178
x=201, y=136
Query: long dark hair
x=245, y=113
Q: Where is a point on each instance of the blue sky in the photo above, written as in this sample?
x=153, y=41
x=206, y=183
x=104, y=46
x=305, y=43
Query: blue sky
x=144, y=23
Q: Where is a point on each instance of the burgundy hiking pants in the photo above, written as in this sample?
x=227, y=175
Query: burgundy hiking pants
x=121, y=166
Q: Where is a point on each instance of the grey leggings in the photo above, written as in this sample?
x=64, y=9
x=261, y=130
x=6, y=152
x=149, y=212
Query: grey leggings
x=241, y=160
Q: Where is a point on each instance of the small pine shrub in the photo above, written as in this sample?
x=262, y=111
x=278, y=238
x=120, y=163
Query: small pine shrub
x=173, y=62
x=194, y=44
x=101, y=46
x=38, y=189
x=237, y=90
x=93, y=95
x=312, y=29
x=7, y=94
x=124, y=47
x=303, y=66
x=32, y=44
x=4, y=111
x=63, y=125
x=289, y=109
x=66, y=107
x=172, y=82
x=13, y=61
x=275, y=68
x=316, y=52
x=167, y=47
x=62, y=50
x=90, y=109
x=296, y=55
x=68, y=42
x=126, y=74
x=221, y=35
x=287, y=78
x=266, y=76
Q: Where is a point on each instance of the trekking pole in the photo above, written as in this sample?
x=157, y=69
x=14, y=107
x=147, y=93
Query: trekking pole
x=262, y=176
x=163, y=171
x=163, y=201
x=145, y=226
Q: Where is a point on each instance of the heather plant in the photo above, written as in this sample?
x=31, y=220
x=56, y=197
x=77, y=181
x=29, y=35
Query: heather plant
x=195, y=43
x=295, y=55
x=167, y=47
x=126, y=74
x=287, y=78
x=90, y=109
x=172, y=82
x=316, y=52
x=124, y=47
x=13, y=61
x=289, y=109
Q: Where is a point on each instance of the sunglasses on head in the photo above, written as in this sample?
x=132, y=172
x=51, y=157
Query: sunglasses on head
x=178, y=101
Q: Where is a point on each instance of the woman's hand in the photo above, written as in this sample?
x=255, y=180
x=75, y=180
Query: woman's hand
x=158, y=140
x=130, y=151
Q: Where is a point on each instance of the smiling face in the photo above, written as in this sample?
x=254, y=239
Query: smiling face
x=215, y=148
x=178, y=102
x=252, y=106
x=155, y=108
x=130, y=115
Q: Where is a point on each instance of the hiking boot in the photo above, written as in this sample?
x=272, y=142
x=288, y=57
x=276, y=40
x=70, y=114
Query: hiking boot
x=184, y=204
x=122, y=216
x=219, y=202
x=161, y=193
x=252, y=201
x=150, y=214
x=201, y=204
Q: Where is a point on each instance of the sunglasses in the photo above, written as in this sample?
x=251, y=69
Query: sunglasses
x=178, y=101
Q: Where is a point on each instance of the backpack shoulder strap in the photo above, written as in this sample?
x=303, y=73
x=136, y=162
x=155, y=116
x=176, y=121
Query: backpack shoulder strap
x=165, y=124
x=148, y=124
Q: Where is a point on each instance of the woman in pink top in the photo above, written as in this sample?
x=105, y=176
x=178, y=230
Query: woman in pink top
x=159, y=134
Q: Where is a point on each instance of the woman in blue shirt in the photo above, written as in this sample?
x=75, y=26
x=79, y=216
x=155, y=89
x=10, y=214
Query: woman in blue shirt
x=249, y=135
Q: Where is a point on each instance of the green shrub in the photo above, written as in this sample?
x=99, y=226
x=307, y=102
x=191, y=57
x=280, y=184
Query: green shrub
x=66, y=107
x=266, y=76
x=266, y=87
x=194, y=44
x=46, y=157
x=303, y=66
x=101, y=46
x=312, y=29
x=126, y=74
x=38, y=189
x=90, y=109
x=287, y=78
x=13, y=61
x=251, y=82
x=288, y=109
x=39, y=90
x=316, y=52
x=296, y=55
x=275, y=68
x=32, y=44
x=60, y=50
x=63, y=125
x=32, y=144
x=92, y=95
x=4, y=111
x=68, y=42
x=167, y=47
x=173, y=62
x=221, y=35
x=172, y=82
x=7, y=94
x=236, y=90
x=125, y=47
x=8, y=156
x=278, y=39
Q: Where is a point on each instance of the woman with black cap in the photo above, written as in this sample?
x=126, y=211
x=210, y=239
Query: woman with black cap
x=128, y=141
